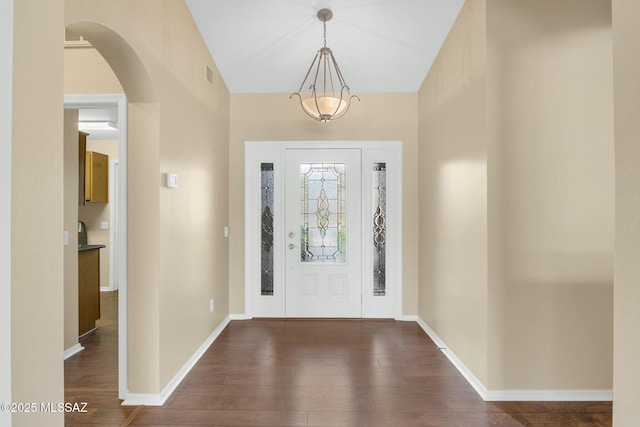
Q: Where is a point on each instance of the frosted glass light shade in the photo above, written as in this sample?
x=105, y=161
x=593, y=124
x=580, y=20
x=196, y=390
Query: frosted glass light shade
x=326, y=107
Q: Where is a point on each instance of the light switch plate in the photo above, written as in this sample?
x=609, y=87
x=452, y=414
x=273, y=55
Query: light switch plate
x=172, y=180
x=65, y=237
x=104, y=225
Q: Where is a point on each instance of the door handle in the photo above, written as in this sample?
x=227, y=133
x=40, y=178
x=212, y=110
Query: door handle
x=292, y=246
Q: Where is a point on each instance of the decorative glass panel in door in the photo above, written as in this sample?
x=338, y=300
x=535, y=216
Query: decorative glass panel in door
x=266, y=229
x=379, y=219
x=322, y=210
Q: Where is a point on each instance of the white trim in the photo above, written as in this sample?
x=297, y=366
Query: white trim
x=466, y=373
x=240, y=317
x=549, y=395
x=133, y=399
x=257, y=152
x=122, y=256
x=72, y=351
x=119, y=100
x=514, y=395
x=114, y=180
x=408, y=318
x=6, y=117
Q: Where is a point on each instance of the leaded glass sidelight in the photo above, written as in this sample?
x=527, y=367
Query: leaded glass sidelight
x=323, y=212
x=379, y=228
x=266, y=225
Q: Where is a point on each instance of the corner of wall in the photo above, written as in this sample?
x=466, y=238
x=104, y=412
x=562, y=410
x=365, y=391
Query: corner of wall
x=6, y=83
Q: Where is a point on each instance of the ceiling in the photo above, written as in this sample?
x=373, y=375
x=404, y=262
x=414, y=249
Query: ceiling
x=89, y=115
x=263, y=46
x=99, y=114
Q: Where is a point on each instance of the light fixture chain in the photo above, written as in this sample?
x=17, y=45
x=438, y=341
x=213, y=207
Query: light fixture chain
x=324, y=23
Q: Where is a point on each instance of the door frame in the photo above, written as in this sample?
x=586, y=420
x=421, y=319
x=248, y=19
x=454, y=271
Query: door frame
x=114, y=202
x=120, y=231
x=257, y=152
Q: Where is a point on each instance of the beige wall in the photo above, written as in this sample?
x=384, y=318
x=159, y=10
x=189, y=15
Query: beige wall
x=522, y=194
x=86, y=72
x=551, y=125
x=92, y=214
x=71, y=226
x=626, y=60
x=453, y=192
x=178, y=122
x=275, y=117
x=37, y=289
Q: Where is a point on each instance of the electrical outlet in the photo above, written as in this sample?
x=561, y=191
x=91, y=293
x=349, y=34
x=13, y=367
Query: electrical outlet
x=104, y=225
x=211, y=305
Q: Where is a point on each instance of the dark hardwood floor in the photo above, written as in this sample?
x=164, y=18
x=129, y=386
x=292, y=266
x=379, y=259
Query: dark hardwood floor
x=309, y=373
x=91, y=376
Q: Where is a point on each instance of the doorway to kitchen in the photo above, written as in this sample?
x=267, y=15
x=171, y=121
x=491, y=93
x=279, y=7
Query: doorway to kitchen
x=118, y=213
x=323, y=227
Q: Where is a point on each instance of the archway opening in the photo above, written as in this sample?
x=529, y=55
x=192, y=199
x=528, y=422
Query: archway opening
x=138, y=126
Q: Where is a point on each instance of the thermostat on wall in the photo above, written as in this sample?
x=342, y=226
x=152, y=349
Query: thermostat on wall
x=172, y=180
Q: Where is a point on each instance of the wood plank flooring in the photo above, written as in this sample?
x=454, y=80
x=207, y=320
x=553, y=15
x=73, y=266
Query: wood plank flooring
x=92, y=375
x=312, y=373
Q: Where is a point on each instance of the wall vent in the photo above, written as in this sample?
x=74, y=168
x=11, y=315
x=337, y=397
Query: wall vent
x=73, y=39
x=209, y=75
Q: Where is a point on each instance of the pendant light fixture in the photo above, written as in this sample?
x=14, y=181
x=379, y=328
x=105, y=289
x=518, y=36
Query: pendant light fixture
x=330, y=96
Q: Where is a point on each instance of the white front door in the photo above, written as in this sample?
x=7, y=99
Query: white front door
x=323, y=233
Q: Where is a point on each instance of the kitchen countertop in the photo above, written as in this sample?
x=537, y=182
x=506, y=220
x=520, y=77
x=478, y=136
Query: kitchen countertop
x=89, y=247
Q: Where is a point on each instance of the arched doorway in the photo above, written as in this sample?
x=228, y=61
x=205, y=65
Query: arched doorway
x=138, y=90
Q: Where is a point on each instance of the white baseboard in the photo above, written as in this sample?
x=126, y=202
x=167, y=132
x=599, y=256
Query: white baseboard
x=407, y=318
x=71, y=351
x=134, y=399
x=549, y=395
x=159, y=399
x=106, y=289
x=515, y=395
x=466, y=373
x=240, y=317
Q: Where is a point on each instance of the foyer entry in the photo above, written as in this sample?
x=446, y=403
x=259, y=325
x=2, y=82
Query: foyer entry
x=323, y=229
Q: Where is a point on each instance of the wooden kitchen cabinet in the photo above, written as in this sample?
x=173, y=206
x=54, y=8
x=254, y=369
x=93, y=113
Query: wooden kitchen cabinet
x=96, y=183
x=82, y=160
x=88, y=289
